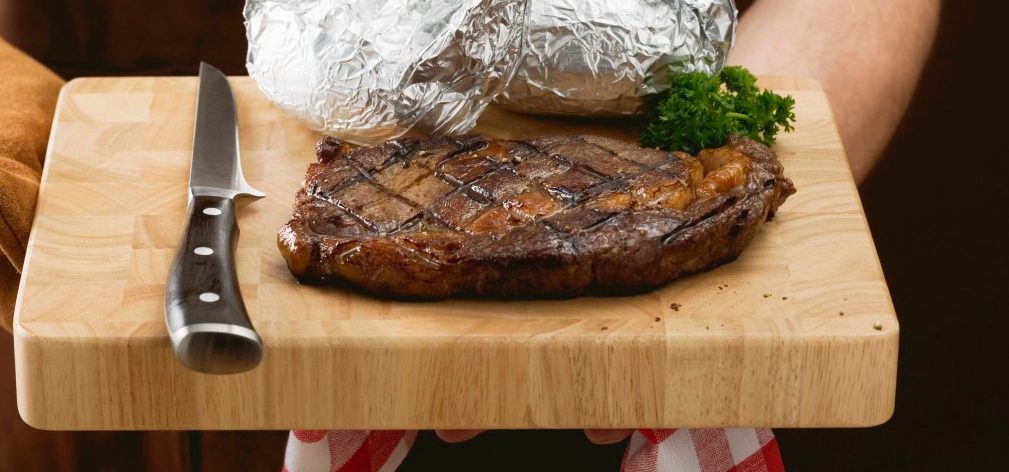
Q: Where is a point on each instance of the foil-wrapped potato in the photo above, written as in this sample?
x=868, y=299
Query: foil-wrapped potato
x=600, y=57
x=370, y=70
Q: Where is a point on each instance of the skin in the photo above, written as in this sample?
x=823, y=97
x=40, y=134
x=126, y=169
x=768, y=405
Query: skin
x=868, y=56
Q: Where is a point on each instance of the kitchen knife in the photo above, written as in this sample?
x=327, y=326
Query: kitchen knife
x=204, y=311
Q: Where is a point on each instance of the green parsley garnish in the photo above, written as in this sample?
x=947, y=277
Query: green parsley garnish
x=701, y=111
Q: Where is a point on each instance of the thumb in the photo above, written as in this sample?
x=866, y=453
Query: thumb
x=457, y=435
x=607, y=436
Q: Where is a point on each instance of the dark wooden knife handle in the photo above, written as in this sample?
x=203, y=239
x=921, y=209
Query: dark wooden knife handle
x=206, y=317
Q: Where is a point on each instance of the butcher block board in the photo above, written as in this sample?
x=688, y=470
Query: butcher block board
x=798, y=332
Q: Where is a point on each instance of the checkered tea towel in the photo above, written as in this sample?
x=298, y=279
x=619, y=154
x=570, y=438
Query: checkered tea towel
x=650, y=450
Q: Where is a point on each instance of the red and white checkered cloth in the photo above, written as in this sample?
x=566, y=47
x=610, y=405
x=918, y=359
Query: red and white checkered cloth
x=650, y=450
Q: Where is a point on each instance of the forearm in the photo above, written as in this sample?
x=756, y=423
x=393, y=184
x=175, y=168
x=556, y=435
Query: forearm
x=867, y=54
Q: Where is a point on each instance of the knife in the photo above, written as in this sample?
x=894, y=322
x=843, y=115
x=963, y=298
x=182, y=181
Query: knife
x=204, y=311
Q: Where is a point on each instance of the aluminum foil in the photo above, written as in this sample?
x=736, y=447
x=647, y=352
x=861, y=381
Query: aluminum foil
x=600, y=57
x=370, y=70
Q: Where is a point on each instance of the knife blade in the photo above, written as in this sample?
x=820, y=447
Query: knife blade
x=206, y=317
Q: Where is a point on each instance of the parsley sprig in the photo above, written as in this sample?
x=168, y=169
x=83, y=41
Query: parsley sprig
x=701, y=111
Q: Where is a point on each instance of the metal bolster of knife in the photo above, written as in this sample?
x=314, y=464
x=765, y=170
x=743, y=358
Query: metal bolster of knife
x=239, y=195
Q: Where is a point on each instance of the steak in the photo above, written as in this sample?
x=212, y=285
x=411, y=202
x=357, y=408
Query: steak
x=550, y=217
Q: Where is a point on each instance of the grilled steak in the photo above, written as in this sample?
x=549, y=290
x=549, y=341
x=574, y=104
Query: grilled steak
x=550, y=217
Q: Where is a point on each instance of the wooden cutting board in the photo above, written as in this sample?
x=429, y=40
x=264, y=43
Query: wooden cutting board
x=799, y=332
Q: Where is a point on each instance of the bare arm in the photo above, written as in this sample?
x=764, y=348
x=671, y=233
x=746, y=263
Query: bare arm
x=867, y=54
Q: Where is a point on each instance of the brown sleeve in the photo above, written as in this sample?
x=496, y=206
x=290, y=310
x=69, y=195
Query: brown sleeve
x=28, y=94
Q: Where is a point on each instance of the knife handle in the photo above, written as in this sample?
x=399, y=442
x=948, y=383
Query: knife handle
x=206, y=316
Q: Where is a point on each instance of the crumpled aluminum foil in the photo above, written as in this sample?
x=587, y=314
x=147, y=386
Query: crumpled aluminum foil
x=600, y=57
x=370, y=70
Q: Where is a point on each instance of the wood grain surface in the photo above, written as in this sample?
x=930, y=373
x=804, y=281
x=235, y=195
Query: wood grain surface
x=799, y=332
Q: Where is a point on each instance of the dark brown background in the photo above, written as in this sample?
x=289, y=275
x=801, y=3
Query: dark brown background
x=936, y=204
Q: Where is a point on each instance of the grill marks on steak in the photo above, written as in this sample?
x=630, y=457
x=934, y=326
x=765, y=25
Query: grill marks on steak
x=554, y=216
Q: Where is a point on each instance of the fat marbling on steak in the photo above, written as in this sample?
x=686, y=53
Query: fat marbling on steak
x=549, y=217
